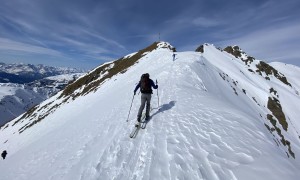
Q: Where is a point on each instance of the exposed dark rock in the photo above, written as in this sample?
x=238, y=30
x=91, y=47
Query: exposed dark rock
x=234, y=50
x=237, y=52
x=200, y=49
x=275, y=107
x=269, y=70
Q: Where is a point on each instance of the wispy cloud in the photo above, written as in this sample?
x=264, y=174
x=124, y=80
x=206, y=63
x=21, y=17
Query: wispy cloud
x=275, y=43
x=92, y=31
x=9, y=45
x=58, y=29
x=206, y=22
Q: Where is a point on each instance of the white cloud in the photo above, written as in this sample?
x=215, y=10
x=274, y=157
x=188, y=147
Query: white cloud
x=10, y=45
x=107, y=40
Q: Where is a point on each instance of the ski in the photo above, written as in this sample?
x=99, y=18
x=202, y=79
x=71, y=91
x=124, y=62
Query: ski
x=135, y=131
x=144, y=124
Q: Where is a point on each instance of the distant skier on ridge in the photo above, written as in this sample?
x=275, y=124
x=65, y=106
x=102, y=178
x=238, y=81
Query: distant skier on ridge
x=3, y=154
x=145, y=86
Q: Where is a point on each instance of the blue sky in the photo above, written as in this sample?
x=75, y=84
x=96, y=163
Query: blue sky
x=86, y=33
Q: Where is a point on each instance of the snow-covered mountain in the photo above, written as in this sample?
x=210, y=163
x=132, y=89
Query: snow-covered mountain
x=24, y=73
x=15, y=99
x=23, y=86
x=218, y=114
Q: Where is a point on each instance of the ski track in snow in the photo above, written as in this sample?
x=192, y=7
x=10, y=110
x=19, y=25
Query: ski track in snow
x=190, y=135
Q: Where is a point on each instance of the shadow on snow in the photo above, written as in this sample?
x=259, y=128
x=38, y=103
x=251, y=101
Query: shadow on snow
x=163, y=108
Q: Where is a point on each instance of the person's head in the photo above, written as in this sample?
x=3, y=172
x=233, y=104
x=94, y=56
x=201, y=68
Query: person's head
x=145, y=76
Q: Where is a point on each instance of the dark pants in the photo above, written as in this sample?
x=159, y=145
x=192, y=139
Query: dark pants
x=145, y=99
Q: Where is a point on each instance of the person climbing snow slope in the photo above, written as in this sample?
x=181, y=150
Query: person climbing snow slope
x=145, y=84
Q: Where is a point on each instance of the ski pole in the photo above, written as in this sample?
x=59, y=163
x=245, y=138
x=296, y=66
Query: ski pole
x=130, y=108
x=157, y=95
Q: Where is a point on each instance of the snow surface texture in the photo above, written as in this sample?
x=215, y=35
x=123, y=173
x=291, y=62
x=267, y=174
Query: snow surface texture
x=201, y=129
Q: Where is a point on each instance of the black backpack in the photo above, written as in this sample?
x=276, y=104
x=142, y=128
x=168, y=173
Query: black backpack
x=145, y=84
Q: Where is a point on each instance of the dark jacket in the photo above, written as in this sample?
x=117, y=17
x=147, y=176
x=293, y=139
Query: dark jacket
x=4, y=153
x=151, y=85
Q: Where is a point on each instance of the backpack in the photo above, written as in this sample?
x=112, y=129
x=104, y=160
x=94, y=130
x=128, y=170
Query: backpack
x=145, y=84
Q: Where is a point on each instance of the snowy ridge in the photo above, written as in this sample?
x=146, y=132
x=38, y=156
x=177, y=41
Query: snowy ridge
x=211, y=123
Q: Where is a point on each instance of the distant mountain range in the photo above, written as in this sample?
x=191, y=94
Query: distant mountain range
x=23, y=86
x=25, y=73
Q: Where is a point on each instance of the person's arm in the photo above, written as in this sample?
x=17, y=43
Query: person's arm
x=153, y=85
x=137, y=87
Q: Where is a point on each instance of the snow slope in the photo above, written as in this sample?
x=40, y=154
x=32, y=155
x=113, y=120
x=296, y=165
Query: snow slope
x=205, y=127
x=292, y=71
x=8, y=89
x=16, y=99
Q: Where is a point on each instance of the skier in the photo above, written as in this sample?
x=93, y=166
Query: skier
x=174, y=56
x=4, y=153
x=145, y=86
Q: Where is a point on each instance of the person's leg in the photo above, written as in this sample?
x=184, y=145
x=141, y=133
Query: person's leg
x=143, y=101
x=148, y=106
